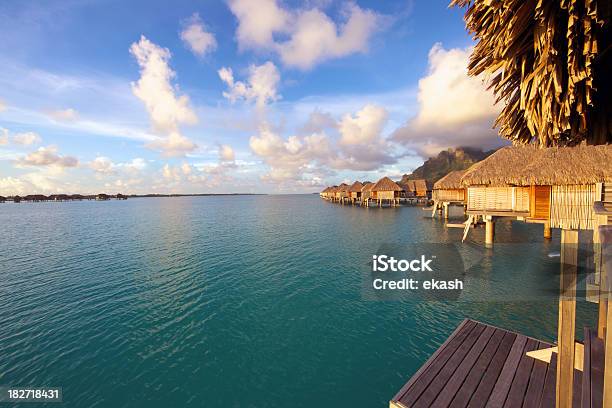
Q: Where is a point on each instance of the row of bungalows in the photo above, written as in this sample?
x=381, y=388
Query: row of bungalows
x=384, y=192
x=557, y=187
x=418, y=189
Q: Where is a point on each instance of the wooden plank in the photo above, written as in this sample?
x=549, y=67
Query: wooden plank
x=434, y=388
x=567, y=318
x=480, y=397
x=462, y=398
x=533, y=395
x=549, y=393
x=516, y=395
x=502, y=386
x=586, y=375
x=445, y=396
x=437, y=360
x=597, y=371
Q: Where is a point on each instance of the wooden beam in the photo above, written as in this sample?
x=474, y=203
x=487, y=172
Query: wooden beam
x=606, y=278
x=489, y=231
x=567, y=319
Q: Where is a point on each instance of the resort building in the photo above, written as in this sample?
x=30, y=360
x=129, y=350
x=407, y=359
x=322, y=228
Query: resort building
x=386, y=191
x=355, y=192
x=449, y=191
x=555, y=186
x=366, y=193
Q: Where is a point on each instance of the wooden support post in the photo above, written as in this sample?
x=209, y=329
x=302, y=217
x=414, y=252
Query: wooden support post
x=489, y=231
x=445, y=211
x=567, y=319
x=547, y=230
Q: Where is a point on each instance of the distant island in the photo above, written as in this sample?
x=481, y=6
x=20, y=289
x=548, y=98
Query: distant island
x=105, y=197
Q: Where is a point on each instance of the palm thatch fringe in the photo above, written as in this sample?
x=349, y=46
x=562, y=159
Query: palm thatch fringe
x=550, y=62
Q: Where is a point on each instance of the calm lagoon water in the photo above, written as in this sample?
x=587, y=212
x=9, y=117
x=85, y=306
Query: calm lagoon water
x=246, y=301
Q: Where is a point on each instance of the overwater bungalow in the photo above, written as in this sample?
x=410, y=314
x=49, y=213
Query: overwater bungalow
x=386, y=191
x=342, y=193
x=324, y=193
x=59, y=197
x=366, y=193
x=555, y=186
x=449, y=191
x=16, y=199
x=355, y=192
x=102, y=197
x=120, y=196
x=2, y=199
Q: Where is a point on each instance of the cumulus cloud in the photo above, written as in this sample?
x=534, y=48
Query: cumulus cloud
x=64, y=115
x=26, y=138
x=226, y=153
x=309, y=36
x=258, y=21
x=196, y=37
x=48, y=156
x=360, y=146
x=167, y=110
x=318, y=121
x=102, y=164
x=454, y=108
x=364, y=127
x=260, y=87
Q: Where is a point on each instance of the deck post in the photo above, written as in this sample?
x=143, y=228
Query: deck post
x=445, y=211
x=489, y=230
x=567, y=319
x=547, y=230
x=605, y=235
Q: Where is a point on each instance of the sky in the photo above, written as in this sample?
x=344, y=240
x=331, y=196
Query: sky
x=254, y=96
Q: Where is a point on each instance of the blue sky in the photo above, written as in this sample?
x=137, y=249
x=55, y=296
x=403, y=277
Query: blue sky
x=230, y=96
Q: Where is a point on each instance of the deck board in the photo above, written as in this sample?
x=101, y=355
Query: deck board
x=484, y=366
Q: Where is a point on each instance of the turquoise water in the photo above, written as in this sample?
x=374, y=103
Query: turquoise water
x=249, y=301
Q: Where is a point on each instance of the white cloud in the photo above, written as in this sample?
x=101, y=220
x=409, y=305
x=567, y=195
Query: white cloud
x=195, y=36
x=166, y=109
x=2, y=105
x=261, y=86
x=137, y=164
x=26, y=138
x=64, y=115
x=102, y=164
x=48, y=156
x=258, y=21
x=312, y=35
x=364, y=127
x=454, y=108
x=226, y=153
x=318, y=121
x=316, y=38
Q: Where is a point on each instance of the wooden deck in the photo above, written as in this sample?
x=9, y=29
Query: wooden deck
x=484, y=366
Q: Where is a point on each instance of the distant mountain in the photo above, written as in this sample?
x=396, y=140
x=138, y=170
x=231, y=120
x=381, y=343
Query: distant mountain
x=446, y=161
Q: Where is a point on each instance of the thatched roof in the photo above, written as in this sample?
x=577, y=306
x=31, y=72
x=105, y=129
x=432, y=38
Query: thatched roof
x=367, y=187
x=420, y=185
x=451, y=181
x=528, y=165
x=407, y=185
x=325, y=190
x=550, y=63
x=343, y=187
x=356, y=187
x=386, y=184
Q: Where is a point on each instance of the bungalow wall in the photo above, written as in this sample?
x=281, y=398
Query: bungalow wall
x=540, y=202
x=449, y=194
x=386, y=195
x=571, y=207
x=498, y=199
